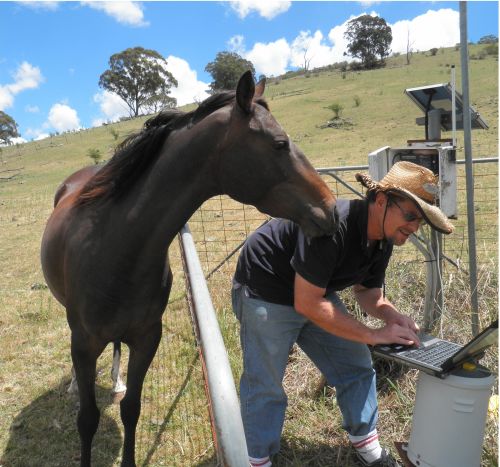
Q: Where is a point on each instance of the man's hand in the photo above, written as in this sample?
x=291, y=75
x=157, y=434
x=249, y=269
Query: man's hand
x=402, y=320
x=394, y=333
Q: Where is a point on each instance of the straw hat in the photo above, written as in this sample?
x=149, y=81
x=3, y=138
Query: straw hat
x=416, y=183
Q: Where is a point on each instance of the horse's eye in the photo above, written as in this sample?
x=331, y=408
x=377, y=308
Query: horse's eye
x=281, y=144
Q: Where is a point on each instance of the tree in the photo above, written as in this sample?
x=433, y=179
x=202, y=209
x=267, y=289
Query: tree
x=369, y=37
x=158, y=102
x=409, y=48
x=307, y=61
x=489, y=39
x=227, y=69
x=8, y=128
x=139, y=76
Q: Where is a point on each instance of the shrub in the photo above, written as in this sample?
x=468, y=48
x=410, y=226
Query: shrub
x=114, y=133
x=336, y=108
x=95, y=155
x=433, y=51
x=357, y=101
x=491, y=49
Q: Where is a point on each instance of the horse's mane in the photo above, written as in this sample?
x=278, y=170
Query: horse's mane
x=139, y=150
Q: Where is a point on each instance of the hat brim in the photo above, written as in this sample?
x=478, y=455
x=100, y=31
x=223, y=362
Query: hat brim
x=431, y=214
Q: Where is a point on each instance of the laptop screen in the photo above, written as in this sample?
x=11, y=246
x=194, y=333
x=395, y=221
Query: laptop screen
x=476, y=346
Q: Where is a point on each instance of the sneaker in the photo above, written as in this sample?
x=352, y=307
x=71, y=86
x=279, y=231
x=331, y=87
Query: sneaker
x=386, y=460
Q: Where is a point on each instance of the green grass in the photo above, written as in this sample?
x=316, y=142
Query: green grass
x=37, y=418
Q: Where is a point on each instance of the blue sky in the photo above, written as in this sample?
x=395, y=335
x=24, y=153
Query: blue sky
x=52, y=53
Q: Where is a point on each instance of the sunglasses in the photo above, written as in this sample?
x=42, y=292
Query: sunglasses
x=409, y=216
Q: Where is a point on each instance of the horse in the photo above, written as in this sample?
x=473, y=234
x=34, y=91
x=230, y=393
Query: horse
x=104, y=251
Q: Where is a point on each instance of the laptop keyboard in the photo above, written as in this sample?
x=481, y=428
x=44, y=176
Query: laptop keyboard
x=435, y=354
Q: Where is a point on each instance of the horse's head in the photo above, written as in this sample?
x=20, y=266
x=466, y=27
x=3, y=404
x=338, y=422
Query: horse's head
x=260, y=165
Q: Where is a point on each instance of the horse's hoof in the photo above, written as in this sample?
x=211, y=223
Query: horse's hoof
x=118, y=396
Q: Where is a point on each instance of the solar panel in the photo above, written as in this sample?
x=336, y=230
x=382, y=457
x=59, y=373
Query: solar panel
x=439, y=96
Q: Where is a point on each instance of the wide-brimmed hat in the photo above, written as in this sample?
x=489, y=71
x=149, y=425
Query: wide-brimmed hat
x=416, y=183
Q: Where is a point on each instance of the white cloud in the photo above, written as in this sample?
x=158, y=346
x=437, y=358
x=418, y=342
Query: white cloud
x=270, y=59
x=40, y=5
x=17, y=140
x=112, y=106
x=312, y=49
x=6, y=98
x=25, y=77
x=126, y=12
x=367, y=4
x=433, y=29
x=266, y=8
x=339, y=43
x=37, y=134
x=189, y=88
x=63, y=118
x=237, y=44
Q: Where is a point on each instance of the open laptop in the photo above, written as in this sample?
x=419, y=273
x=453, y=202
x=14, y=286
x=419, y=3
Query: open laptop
x=439, y=357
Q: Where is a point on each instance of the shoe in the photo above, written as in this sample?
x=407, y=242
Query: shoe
x=385, y=460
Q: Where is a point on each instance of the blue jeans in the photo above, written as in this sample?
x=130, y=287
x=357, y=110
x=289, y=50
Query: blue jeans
x=268, y=332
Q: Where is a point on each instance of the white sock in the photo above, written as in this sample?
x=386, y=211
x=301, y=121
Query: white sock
x=367, y=446
x=260, y=461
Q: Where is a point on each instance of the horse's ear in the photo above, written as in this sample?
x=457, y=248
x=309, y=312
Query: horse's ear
x=260, y=87
x=245, y=91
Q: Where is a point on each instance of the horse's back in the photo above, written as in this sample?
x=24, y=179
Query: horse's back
x=74, y=182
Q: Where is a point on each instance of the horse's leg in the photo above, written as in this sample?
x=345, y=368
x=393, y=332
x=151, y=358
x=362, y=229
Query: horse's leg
x=118, y=385
x=84, y=353
x=142, y=351
x=73, y=386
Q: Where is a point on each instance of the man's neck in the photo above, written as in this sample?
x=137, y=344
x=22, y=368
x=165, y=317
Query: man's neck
x=374, y=226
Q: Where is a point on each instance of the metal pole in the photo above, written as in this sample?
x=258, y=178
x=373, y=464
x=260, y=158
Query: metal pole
x=469, y=175
x=453, y=106
x=231, y=443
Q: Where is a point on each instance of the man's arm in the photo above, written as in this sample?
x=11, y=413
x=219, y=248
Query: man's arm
x=309, y=301
x=373, y=302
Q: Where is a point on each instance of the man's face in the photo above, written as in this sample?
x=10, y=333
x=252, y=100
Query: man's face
x=402, y=219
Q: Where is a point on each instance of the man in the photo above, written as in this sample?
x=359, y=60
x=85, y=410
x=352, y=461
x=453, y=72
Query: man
x=284, y=292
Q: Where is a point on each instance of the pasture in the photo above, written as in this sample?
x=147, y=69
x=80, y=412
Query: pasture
x=37, y=417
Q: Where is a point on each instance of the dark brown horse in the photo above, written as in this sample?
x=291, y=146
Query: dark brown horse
x=104, y=250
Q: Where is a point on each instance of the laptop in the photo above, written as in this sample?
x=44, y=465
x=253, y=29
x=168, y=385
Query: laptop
x=439, y=357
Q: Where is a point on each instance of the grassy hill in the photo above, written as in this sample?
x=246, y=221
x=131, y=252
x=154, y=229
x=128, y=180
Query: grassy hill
x=35, y=361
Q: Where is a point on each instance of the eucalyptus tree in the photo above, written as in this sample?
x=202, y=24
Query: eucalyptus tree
x=8, y=128
x=226, y=70
x=139, y=76
x=369, y=39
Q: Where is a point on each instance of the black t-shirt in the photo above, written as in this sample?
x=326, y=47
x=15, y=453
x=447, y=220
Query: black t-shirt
x=276, y=251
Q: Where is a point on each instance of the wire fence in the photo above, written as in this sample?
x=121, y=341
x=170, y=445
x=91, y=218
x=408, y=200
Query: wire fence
x=221, y=224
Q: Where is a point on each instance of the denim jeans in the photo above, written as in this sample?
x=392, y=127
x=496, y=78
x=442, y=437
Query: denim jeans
x=268, y=332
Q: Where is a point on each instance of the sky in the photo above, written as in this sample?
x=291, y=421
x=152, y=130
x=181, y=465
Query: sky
x=53, y=53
